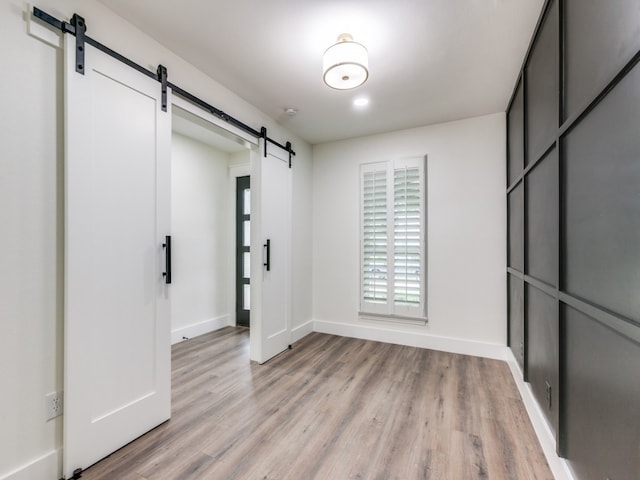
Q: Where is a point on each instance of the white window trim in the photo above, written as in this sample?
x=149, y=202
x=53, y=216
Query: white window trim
x=389, y=311
x=390, y=318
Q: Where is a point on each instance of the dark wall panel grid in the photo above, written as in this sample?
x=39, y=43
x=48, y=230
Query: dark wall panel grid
x=602, y=412
x=602, y=202
x=515, y=136
x=515, y=206
x=542, y=219
x=600, y=38
x=543, y=352
x=581, y=99
x=542, y=87
x=516, y=335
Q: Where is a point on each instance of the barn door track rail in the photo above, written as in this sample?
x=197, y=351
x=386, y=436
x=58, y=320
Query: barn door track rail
x=78, y=28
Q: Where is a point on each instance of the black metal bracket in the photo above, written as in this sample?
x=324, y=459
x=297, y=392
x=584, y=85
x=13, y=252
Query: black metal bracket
x=162, y=78
x=77, y=473
x=287, y=147
x=263, y=134
x=80, y=29
x=54, y=22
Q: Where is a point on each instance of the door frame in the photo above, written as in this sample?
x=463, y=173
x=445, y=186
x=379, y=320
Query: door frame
x=257, y=150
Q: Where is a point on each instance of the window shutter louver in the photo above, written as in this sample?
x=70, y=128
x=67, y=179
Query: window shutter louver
x=375, y=237
x=407, y=255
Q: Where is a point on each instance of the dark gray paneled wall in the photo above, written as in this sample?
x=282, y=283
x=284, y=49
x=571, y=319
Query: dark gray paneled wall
x=603, y=385
x=573, y=199
x=541, y=88
x=516, y=140
x=542, y=219
x=602, y=202
x=516, y=317
x=601, y=38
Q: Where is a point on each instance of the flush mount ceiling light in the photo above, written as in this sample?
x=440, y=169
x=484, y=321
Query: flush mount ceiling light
x=345, y=64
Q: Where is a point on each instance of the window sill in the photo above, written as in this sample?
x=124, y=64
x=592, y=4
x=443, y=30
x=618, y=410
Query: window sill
x=392, y=318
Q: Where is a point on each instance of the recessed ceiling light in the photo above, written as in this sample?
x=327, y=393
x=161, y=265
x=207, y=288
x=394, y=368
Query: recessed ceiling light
x=361, y=102
x=292, y=112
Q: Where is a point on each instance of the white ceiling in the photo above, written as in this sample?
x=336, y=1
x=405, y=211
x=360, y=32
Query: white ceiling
x=430, y=61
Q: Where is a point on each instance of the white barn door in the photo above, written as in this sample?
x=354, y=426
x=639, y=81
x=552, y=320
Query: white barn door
x=117, y=315
x=271, y=290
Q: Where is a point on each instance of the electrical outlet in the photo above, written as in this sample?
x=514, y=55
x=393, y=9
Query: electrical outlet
x=54, y=404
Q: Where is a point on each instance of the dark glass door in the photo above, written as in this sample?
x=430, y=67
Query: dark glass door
x=243, y=255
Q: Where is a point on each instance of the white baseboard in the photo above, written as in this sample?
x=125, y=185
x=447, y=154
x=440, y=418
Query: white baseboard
x=301, y=331
x=412, y=339
x=200, y=328
x=48, y=466
x=559, y=466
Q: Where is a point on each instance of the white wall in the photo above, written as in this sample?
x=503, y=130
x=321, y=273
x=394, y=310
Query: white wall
x=302, y=247
x=466, y=235
x=31, y=214
x=31, y=245
x=200, y=238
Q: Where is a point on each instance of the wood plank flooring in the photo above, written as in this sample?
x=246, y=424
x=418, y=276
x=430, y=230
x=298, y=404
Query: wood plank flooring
x=333, y=408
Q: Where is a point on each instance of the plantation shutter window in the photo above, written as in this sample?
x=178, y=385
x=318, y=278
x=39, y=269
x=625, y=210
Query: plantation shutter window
x=393, y=247
x=407, y=236
x=375, y=236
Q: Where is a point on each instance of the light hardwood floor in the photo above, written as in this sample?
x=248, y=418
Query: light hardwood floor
x=333, y=408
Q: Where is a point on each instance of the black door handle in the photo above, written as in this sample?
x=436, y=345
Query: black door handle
x=268, y=262
x=167, y=259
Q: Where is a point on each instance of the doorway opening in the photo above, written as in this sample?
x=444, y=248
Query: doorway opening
x=206, y=162
x=243, y=250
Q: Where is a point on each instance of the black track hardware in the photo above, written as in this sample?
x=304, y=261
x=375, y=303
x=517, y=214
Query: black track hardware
x=162, y=78
x=81, y=27
x=78, y=28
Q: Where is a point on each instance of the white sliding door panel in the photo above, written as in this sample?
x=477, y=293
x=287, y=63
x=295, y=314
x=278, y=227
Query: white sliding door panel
x=117, y=324
x=274, y=311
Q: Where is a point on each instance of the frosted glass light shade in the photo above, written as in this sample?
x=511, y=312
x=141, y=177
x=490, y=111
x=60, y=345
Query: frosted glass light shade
x=345, y=64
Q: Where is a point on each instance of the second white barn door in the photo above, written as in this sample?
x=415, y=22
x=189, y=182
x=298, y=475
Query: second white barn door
x=271, y=184
x=117, y=369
